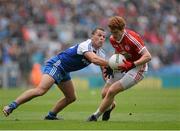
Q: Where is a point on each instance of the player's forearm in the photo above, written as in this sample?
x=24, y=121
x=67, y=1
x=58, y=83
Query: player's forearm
x=144, y=59
x=99, y=61
x=95, y=59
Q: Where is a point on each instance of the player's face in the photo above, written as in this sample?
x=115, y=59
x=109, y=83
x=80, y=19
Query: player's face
x=117, y=34
x=98, y=38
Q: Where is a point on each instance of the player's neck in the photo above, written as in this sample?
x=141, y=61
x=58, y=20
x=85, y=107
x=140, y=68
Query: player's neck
x=120, y=38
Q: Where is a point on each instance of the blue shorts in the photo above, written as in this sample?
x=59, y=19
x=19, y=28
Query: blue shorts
x=57, y=74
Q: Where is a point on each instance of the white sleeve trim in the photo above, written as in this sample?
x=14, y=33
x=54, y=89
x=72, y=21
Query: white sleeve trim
x=84, y=47
x=142, y=50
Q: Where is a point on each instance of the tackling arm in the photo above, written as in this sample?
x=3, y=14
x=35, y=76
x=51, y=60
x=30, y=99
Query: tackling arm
x=92, y=57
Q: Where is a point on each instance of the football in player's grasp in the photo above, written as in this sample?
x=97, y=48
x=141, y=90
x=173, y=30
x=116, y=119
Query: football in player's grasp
x=116, y=60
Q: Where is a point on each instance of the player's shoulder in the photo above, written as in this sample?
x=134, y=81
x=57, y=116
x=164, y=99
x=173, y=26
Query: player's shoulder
x=86, y=42
x=134, y=37
x=129, y=32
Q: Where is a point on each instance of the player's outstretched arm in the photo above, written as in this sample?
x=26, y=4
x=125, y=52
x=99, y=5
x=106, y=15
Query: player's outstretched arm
x=93, y=58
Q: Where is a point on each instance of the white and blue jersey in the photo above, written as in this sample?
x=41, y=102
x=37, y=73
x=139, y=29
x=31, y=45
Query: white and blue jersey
x=72, y=59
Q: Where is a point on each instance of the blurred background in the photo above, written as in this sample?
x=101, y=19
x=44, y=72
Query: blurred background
x=31, y=31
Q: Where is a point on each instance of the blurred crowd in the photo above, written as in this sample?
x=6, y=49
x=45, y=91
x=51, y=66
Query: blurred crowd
x=33, y=30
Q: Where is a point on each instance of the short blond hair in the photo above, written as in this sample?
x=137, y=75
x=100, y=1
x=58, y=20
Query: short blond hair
x=116, y=22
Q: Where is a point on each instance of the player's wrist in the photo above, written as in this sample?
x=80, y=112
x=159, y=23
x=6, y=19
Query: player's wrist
x=133, y=65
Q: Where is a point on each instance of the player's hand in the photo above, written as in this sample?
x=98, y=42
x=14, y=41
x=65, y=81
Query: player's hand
x=126, y=66
x=108, y=72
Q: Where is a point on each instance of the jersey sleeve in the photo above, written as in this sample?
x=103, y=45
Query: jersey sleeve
x=84, y=47
x=141, y=45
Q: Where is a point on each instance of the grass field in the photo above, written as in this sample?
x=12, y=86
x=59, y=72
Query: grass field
x=140, y=109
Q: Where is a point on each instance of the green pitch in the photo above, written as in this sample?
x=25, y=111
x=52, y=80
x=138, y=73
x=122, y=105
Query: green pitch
x=155, y=109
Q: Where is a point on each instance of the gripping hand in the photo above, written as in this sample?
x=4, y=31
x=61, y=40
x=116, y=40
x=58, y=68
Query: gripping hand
x=108, y=72
x=126, y=66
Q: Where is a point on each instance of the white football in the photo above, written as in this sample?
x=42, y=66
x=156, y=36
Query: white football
x=115, y=60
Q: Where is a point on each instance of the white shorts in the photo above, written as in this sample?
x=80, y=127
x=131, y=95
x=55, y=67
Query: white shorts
x=130, y=78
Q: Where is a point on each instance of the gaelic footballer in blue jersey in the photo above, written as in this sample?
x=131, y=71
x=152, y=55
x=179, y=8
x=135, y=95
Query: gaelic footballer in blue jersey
x=57, y=70
x=72, y=59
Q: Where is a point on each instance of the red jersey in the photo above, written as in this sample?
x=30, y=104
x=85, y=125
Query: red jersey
x=130, y=45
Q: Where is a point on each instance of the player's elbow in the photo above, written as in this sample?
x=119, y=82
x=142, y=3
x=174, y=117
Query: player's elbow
x=148, y=57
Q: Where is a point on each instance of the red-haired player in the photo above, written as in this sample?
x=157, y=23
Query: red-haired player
x=130, y=44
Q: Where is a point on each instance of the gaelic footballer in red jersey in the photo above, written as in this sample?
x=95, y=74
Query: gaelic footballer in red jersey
x=129, y=44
